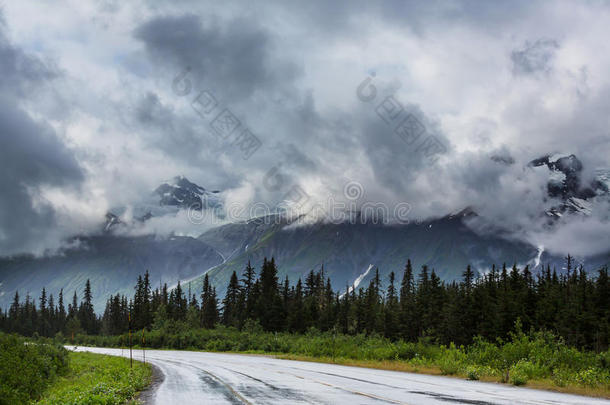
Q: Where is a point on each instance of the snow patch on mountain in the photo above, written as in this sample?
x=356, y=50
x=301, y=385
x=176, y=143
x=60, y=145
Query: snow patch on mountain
x=537, y=259
x=360, y=278
x=555, y=157
x=182, y=193
x=579, y=205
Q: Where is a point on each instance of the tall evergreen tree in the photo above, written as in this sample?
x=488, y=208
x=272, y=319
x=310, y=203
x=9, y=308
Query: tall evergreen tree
x=86, y=313
x=269, y=306
x=230, y=304
x=209, y=305
x=391, y=325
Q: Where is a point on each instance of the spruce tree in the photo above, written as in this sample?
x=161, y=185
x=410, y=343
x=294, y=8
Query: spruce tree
x=61, y=312
x=391, y=326
x=296, y=316
x=230, y=304
x=209, y=305
x=408, y=326
x=86, y=314
x=269, y=307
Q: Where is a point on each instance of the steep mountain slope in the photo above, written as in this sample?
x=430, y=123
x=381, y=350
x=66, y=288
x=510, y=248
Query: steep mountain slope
x=347, y=250
x=111, y=262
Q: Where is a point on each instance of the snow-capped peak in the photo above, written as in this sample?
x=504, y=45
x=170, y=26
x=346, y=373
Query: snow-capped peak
x=182, y=193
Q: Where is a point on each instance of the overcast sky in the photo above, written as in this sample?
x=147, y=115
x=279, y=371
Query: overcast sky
x=96, y=107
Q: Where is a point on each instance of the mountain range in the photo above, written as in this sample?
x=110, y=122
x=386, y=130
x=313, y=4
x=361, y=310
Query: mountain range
x=349, y=252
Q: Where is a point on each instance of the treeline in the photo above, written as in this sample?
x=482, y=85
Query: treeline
x=49, y=318
x=572, y=305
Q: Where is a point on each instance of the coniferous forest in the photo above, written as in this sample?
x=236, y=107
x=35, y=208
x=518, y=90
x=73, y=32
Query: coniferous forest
x=408, y=306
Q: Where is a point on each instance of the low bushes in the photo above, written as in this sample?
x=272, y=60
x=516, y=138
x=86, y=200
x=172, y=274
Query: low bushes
x=27, y=368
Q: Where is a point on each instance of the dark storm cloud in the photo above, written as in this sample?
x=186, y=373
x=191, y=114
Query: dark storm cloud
x=31, y=155
x=304, y=141
x=236, y=61
x=20, y=72
x=233, y=56
x=182, y=136
x=383, y=144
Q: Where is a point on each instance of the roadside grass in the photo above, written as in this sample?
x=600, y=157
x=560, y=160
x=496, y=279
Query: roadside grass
x=98, y=379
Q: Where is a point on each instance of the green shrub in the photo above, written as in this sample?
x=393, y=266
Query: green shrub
x=27, y=368
x=451, y=359
x=593, y=377
x=524, y=371
x=518, y=378
x=561, y=377
x=449, y=367
x=473, y=373
x=405, y=351
x=589, y=377
x=603, y=360
x=486, y=353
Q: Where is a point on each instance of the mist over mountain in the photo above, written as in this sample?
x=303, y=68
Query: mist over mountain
x=167, y=200
x=348, y=250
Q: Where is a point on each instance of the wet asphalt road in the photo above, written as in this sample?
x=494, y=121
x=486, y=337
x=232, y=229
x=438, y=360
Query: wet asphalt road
x=217, y=378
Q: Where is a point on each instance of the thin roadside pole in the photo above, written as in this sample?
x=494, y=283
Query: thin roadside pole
x=143, y=346
x=130, y=352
